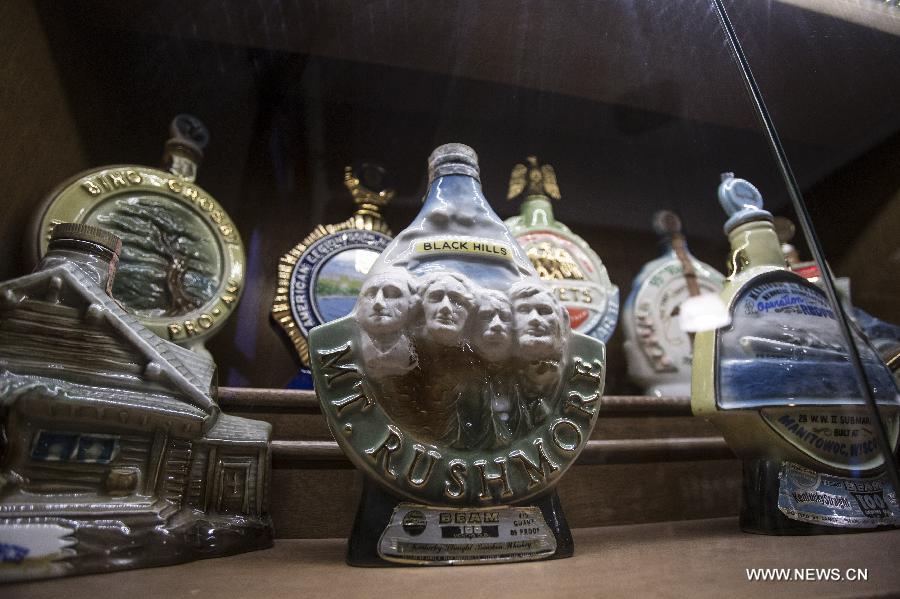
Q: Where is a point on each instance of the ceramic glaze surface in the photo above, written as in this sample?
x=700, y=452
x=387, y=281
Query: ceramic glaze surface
x=115, y=452
x=170, y=264
x=659, y=352
x=785, y=346
x=574, y=272
x=457, y=379
x=182, y=261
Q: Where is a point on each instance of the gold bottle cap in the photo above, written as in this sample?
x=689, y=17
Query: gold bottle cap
x=89, y=233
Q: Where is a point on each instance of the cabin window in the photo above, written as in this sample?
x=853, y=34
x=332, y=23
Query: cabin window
x=53, y=446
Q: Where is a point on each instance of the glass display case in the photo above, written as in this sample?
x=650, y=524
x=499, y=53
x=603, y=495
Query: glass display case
x=636, y=107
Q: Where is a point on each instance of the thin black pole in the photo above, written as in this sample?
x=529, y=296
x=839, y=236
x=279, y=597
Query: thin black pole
x=814, y=245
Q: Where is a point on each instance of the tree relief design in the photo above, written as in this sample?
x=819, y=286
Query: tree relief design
x=170, y=263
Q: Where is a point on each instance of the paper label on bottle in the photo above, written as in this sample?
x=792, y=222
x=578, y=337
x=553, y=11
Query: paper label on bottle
x=30, y=550
x=837, y=438
x=462, y=245
x=427, y=535
x=815, y=498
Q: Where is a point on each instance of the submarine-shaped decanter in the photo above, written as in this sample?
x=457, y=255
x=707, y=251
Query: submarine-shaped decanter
x=778, y=382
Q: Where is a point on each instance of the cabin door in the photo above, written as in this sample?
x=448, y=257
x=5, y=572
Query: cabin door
x=233, y=486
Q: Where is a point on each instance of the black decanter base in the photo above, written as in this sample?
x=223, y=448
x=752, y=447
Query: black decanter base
x=759, y=505
x=376, y=507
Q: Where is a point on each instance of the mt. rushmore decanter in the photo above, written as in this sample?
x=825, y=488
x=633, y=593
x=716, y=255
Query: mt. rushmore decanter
x=458, y=387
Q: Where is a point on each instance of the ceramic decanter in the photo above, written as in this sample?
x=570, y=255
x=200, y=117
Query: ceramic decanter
x=779, y=384
x=458, y=388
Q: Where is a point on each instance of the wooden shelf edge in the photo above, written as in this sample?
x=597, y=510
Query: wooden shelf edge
x=596, y=452
x=690, y=558
x=241, y=399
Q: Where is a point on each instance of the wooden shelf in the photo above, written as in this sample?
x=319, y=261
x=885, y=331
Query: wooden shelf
x=596, y=451
x=244, y=399
x=640, y=446
x=700, y=558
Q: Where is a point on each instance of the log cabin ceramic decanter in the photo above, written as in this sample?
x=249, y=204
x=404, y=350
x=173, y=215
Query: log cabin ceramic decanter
x=572, y=269
x=458, y=388
x=115, y=454
x=657, y=348
x=779, y=384
x=181, y=271
x=320, y=278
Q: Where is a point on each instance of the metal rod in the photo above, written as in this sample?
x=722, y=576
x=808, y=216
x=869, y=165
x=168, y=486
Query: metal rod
x=812, y=238
x=605, y=452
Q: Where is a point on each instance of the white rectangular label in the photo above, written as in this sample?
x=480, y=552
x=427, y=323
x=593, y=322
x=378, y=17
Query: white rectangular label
x=420, y=534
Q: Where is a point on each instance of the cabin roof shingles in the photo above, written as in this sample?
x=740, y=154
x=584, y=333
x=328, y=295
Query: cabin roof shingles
x=191, y=374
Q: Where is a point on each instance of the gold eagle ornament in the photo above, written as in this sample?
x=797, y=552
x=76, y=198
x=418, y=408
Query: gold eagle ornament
x=534, y=180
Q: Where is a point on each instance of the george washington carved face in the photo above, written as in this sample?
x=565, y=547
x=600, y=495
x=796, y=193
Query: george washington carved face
x=385, y=302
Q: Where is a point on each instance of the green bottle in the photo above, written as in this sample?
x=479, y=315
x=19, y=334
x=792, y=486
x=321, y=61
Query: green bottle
x=563, y=259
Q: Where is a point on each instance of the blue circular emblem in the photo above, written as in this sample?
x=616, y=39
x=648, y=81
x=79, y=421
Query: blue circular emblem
x=327, y=277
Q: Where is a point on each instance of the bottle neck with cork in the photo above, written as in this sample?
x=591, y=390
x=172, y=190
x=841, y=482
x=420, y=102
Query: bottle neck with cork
x=184, y=149
x=750, y=229
x=537, y=211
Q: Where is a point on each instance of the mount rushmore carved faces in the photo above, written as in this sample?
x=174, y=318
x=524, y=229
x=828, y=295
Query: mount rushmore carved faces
x=385, y=301
x=493, y=338
x=538, y=321
x=386, y=304
x=447, y=302
x=457, y=363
